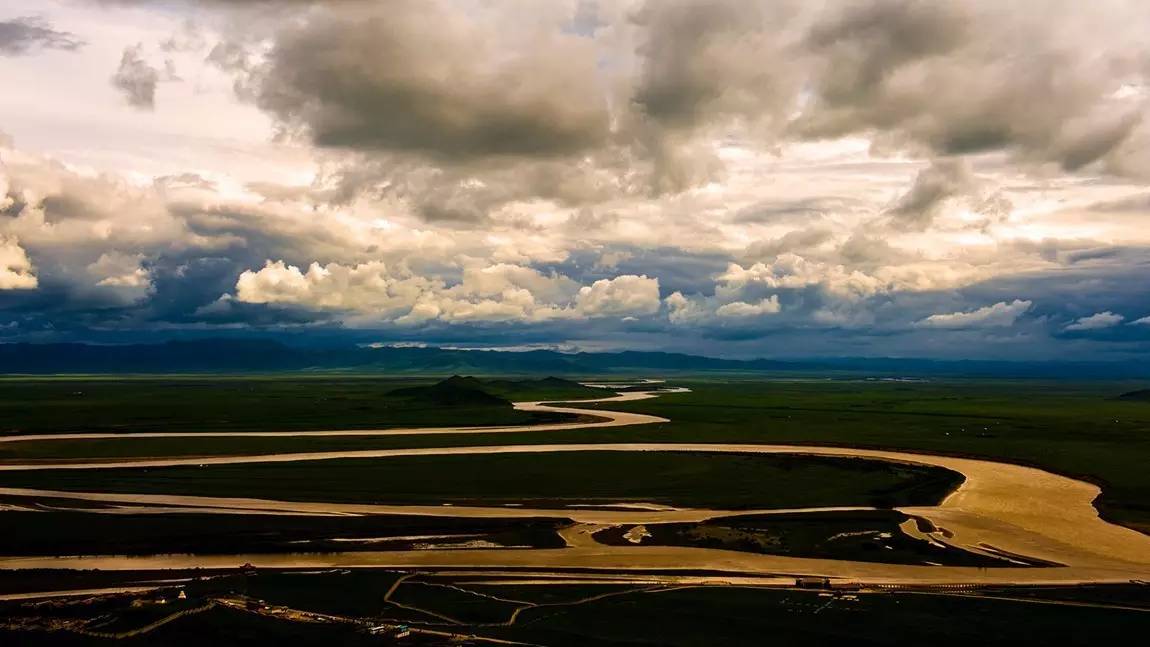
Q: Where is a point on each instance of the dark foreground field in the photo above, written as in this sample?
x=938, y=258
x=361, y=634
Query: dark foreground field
x=340, y=607
x=856, y=535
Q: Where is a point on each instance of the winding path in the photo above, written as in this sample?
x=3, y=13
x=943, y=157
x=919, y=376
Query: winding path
x=1000, y=508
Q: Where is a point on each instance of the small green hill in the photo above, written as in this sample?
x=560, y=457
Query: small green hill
x=460, y=391
x=1142, y=395
x=548, y=388
x=455, y=391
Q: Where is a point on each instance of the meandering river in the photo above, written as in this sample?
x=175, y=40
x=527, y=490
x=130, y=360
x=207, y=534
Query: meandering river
x=999, y=509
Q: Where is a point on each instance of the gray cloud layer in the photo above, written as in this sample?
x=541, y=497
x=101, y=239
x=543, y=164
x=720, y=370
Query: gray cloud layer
x=686, y=169
x=635, y=101
x=136, y=79
x=22, y=35
x=413, y=76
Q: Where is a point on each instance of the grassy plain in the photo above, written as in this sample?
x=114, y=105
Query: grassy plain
x=1080, y=429
x=729, y=481
x=270, y=403
x=1077, y=429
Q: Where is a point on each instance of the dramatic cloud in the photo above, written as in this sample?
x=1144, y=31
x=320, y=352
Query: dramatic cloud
x=22, y=35
x=368, y=286
x=1096, y=321
x=416, y=76
x=944, y=179
x=976, y=76
x=745, y=177
x=496, y=293
x=948, y=77
x=999, y=315
x=631, y=98
x=791, y=271
x=124, y=273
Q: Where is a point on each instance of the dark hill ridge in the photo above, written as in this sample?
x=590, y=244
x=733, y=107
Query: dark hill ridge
x=557, y=382
x=458, y=390
x=548, y=388
x=455, y=391
x=1142, y=395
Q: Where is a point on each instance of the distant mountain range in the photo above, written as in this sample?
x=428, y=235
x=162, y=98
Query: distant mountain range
x=255, y=356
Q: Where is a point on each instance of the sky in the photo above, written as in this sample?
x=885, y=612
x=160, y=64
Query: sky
x=739, y=178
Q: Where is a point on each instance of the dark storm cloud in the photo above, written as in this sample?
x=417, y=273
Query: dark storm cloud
x=942, y=180
x=414, y=76
x=22, y=35
x=468, y=192
x=949, y=77
x=561, y=126
x=797, y=240
x=1059, y=298
x=861, y=47
x=689, y=58
x=454, y=111
x=677, y=269
x=114, y=256
x=798, y=211
x=703, y=66
x=136, y=79
x=969, y=77
x=867, y=250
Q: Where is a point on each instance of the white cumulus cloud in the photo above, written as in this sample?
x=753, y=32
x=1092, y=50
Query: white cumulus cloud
x=999, y=315
x=500, y=292
x=743, y=309
x=626, y=295
x=1097, y=321
x=15, y=268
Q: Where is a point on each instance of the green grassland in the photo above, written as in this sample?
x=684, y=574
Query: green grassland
x=189, y=404
x=729, y=481
x=1079, y=429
